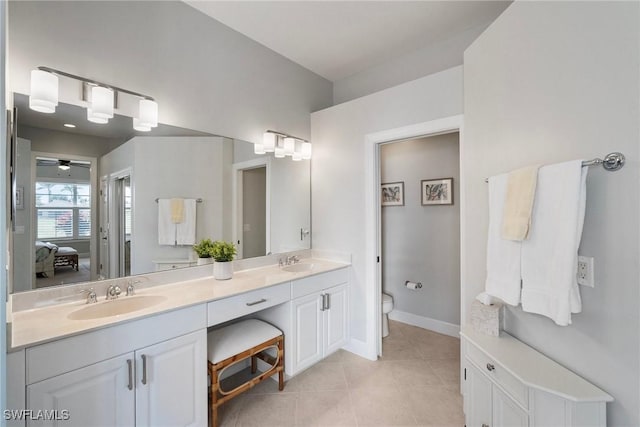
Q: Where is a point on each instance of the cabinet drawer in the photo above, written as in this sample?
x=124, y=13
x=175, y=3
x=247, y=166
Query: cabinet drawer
x=309, y=285
x=498, y=374
x=241, y=305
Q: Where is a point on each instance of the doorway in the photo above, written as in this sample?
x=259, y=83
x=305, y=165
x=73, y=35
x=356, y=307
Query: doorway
x=251, y=208
x=373, y=242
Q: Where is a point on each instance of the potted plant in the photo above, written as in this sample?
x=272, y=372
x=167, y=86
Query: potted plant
x=203, y=249
x=223, y=253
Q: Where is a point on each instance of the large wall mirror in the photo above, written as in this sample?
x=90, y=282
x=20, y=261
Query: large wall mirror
x=90, y=198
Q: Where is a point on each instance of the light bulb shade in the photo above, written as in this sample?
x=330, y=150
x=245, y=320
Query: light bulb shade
x=279, y=152
x=95, y=119
x=44, y=91
x=64, y=167
x=297, y=156
x=289, y=146
x=148, y=113
x=269, y=140
x=258, y=149
x=102, y=102
x=305, y=150
x=139, y=126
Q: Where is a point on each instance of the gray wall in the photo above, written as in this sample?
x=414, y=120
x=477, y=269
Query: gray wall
x=204, y=75
x=51, y=141
x=422, y=243
x=548, y=82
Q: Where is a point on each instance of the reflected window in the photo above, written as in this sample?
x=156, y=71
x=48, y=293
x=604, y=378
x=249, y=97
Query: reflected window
x=63, y=210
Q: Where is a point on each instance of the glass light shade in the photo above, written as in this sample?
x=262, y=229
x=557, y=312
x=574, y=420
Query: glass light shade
x=289, y=146
x=64, y=167
x=279, y=152
x=305, y=150
x=148, y=112
x=102, y=102
x=44, y=91
x=269, y=140
x=139, y=126
x=297, y=156
x=259, y=149
x=95, y=119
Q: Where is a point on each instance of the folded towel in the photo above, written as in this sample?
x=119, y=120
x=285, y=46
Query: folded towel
x=186, y=230
x=550, y=255
x=503, y=256
x=521, y=189
x=177, y=211
x=166, y=227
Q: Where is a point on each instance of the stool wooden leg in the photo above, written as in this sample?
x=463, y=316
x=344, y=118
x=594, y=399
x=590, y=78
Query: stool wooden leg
x=213, y=404
x=281, y=364
x=254, y=364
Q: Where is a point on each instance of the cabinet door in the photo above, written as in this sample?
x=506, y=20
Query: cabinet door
x=171, y=387
x=307, y=331
x=479, y=398
x=336, y=319
x=506, y=412
x=97, y=395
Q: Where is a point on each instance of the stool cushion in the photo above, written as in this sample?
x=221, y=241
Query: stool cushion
x=66, y=250
x=238, y=337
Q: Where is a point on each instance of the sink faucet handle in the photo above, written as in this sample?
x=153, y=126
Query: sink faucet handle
x=113, y=292
x=91, y=295
x=131, y=290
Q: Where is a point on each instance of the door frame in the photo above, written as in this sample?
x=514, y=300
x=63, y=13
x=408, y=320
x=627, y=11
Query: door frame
x=93, y=176
x=236, y=203
x=373, y=237
x=114, y=215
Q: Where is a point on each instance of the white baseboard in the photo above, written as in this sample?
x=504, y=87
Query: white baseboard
x=360, y=348
x=426, y=323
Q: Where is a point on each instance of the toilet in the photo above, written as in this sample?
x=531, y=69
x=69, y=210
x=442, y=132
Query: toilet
x=387, y=306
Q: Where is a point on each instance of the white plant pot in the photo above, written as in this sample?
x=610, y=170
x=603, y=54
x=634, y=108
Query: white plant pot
x=204, y=261
x=222, y=270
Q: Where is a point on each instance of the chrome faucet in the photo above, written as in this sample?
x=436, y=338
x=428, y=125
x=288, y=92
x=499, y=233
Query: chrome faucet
x=91, y=295
x=289, y=260
x=130, y=287
x=113, y=292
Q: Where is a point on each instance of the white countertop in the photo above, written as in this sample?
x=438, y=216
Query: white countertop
x=39, y=325
x=534, y=369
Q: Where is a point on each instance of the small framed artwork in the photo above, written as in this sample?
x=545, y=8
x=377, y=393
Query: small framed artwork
x=437, y=191
x=20, y=198
x=392, y=194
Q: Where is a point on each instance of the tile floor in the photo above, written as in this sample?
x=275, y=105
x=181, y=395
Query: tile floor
x=415, y=383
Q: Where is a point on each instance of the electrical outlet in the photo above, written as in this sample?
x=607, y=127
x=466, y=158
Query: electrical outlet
x=585, y=271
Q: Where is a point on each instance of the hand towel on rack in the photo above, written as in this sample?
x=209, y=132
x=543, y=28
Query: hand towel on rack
x=177, y=211
x=521, y=189
x=166, y=227
x=550, y=255
x=503, y=256
x=186, y=230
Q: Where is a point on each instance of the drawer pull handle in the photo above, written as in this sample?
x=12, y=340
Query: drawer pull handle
x=490, y=367
x=260, y=301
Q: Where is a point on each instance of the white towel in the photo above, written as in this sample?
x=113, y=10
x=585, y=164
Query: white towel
x=503, y=256
x=186, y=230
x=166, y=227
x=550, y=256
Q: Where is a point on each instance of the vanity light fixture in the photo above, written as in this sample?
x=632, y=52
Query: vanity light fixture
x=283, y=145
x=44, y=98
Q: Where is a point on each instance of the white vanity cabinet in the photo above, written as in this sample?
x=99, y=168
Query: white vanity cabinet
x=318, y=318
x=507, y=383
x=148, y=372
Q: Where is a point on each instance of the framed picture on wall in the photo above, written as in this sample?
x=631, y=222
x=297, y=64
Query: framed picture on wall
x=392, y=194
x=437, y=191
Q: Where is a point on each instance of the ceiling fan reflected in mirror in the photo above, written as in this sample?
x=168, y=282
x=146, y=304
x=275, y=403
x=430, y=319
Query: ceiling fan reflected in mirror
x=62, y=164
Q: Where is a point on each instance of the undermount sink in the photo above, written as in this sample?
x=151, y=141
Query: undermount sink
x=123, y=305
x=298, y=268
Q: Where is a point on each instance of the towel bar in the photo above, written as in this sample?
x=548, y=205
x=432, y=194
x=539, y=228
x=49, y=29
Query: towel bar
x=611, y=162
x=198, y=200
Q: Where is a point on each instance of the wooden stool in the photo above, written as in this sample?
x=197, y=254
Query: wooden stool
x=236, y=342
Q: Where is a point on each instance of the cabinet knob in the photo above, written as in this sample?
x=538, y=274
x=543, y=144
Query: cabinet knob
x=490, y=367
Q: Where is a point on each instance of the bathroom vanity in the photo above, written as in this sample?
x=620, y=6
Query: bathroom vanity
x=148, y=367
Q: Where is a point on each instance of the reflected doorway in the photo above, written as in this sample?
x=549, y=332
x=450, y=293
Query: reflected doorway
x=251, y=208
